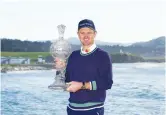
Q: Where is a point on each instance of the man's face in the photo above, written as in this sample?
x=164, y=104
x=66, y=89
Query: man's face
x=86, y=36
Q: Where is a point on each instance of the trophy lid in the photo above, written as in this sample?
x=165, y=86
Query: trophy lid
x=61, y=30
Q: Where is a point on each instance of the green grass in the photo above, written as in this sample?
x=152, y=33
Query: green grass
x=32, y=55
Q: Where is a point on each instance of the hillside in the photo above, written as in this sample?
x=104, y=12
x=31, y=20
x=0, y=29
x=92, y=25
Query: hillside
x=154, y=48
x=157, y=43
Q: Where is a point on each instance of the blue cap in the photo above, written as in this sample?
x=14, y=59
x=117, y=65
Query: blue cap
x=86, y=23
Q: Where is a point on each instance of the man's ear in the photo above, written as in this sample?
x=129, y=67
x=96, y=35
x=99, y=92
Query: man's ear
x=95, y=34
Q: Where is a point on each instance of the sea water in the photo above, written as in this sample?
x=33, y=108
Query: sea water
x=138, y=89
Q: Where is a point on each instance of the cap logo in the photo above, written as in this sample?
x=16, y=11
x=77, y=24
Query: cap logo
x=85, y=24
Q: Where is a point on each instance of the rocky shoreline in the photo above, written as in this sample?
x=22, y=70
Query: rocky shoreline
x=6, y=68
x=27, y=67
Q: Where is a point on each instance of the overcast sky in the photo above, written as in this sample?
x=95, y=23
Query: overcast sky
x=123, y=21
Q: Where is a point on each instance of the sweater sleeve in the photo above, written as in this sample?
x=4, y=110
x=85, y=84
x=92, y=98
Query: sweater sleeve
x=67, y=76
x=104, y=79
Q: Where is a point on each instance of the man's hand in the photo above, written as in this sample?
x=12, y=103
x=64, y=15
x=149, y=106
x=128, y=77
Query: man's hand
x=59, y=64
x=74, y=86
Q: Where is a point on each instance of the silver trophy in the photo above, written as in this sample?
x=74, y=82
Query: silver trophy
x=62, y=50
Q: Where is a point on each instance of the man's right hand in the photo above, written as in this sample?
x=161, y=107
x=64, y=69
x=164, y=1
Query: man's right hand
x=59, y=63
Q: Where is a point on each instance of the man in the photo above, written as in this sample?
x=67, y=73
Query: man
x=88, y=74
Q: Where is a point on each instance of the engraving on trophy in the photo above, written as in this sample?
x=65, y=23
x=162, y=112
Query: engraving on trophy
x=60, y=49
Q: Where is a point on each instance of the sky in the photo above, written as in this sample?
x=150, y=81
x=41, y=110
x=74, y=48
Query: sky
x=122, y=21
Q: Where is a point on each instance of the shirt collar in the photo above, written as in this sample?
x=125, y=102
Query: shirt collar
x=91, y=48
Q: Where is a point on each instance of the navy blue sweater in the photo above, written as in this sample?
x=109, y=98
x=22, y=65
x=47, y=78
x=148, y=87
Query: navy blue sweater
x=96, y=68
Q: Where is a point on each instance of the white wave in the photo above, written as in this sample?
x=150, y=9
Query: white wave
x=26, y=71
x=148, y=65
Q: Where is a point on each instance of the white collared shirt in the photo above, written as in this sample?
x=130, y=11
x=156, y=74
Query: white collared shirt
x=91, y=48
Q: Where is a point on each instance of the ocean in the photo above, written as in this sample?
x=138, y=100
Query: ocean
x=138, y=89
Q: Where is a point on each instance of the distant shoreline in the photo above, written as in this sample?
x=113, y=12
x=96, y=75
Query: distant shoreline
x=29, y=67
x=25, y=67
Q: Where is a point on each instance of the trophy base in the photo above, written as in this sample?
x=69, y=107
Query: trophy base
x=57, y=87
x=59, y=83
